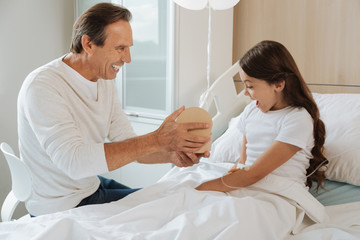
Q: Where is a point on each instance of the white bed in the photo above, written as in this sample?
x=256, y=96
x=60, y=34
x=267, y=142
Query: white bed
x=172, y=209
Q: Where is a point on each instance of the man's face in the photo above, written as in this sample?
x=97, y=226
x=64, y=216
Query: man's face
x=108, y=59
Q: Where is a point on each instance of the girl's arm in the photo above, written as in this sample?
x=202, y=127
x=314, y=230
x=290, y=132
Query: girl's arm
x=243, y=151
x=242, y=158
x=276, y=155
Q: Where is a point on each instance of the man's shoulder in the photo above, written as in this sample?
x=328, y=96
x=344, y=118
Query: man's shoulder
x=48, y=73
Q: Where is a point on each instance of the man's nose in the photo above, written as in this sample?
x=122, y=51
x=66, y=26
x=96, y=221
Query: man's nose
x=127, y=56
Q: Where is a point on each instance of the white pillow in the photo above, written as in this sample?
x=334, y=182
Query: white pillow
x=228, y=146
x=341, y=116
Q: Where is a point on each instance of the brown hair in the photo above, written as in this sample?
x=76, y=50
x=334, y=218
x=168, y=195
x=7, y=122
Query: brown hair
x=93, y=23
x=272, y=62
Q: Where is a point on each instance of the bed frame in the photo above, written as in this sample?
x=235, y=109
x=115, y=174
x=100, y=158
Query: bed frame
x=223, y=101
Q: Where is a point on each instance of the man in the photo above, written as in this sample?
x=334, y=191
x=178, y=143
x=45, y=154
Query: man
x=67, y=108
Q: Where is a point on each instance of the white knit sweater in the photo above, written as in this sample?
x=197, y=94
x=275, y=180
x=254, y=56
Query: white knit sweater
x=63, y=120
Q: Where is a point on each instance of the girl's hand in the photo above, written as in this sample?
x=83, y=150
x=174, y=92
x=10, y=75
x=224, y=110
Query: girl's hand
x=203, y=187
x=213, y=185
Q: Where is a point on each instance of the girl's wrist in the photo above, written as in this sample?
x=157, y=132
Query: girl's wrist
x=227, y=185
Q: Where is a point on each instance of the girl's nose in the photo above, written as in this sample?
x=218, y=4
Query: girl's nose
x=246, y=93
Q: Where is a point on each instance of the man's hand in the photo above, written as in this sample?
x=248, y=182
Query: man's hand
x=183, y=159
x=174, y=136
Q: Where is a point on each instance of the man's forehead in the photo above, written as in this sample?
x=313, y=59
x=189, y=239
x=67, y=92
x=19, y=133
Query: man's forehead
x=121, y=31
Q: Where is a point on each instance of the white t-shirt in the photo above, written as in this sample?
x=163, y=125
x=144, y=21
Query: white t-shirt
x=63, y=121
x=290, y=125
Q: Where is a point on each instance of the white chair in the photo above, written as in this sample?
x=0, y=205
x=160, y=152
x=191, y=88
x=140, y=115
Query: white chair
x=228, y=102
x=21, y=183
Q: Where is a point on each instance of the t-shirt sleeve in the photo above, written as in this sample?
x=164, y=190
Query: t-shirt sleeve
x=296, y=128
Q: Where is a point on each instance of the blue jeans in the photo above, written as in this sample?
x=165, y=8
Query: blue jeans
x=108, y=191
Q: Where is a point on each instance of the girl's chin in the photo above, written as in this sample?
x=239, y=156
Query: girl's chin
x=261, y=108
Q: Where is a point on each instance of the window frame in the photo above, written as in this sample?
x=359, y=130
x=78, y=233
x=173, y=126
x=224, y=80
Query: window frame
x=146, y=115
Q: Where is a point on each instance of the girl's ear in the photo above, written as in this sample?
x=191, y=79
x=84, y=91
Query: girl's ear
x=279, y=86
x=87, y=44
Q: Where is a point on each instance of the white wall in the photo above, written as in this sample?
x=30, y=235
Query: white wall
x=191, y=51
x=32, y=34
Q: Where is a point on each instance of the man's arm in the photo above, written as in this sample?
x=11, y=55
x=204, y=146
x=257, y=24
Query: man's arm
x=169, y=137
x=180, y=159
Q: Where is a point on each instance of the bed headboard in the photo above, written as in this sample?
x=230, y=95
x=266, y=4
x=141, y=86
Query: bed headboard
x=323, y=36
x=317, y=88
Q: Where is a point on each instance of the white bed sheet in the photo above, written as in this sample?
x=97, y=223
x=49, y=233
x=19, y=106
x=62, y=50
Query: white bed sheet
x=172, y=209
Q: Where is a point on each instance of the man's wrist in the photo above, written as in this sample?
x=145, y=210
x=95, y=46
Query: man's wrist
x=154, y=140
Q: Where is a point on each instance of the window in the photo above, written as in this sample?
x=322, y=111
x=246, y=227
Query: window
x=145, y=86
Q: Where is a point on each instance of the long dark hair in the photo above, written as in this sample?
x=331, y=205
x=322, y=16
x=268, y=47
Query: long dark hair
x=272, y=62
x=93, y=23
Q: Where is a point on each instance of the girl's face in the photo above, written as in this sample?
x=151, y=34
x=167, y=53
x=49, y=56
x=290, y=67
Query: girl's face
x=268, y=96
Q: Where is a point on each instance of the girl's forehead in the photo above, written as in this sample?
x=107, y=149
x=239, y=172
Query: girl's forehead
x=243, y=75
x=246, y=78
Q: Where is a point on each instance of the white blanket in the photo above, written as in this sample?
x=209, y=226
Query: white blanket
x=172, y=209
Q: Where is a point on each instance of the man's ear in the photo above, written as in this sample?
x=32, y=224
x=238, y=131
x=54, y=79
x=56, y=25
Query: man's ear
x=87, y=44
x=279, y=86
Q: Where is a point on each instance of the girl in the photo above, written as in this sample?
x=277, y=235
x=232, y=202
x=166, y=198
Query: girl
x=283, y=133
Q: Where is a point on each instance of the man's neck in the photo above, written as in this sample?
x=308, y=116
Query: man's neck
x=78, y=62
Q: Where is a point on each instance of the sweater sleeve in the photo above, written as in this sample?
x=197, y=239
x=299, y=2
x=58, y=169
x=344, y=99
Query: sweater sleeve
x=52, y=122
x=120, y=127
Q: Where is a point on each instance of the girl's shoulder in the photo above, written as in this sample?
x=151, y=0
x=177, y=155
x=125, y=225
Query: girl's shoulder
x=298, y=112
x=297, y=116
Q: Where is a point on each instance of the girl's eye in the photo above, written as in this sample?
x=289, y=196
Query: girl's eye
x=249, y=87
